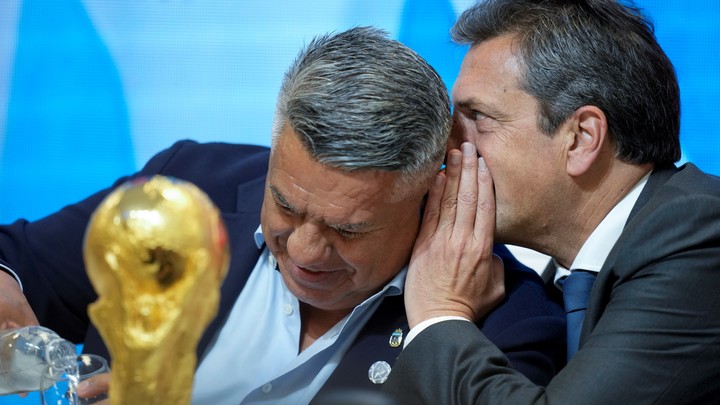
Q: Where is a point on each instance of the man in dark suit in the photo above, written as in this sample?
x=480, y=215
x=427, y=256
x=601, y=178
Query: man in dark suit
x=320, y=227
x=574, y=110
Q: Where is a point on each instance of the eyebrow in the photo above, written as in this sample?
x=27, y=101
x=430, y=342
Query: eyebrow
x=351, y=227
x=475, y=104
x=281, y=200
x=466, y=103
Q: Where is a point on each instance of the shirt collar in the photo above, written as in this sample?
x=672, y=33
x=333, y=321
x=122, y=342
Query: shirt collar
x=595, y=250
x=259, y=238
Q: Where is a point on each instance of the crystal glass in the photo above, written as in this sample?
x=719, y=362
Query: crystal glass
x=62, y=391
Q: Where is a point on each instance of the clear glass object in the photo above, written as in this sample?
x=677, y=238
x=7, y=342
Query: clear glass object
x=62, y=391
x=32, y=357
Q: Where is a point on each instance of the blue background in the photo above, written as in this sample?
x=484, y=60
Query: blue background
x=89, y=90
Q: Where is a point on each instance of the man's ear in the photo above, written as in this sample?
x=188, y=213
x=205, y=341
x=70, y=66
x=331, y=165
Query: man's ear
x=590, y=133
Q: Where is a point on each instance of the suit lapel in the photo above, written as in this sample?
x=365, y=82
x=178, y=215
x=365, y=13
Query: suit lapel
x=244, y=253
x=371, y=345
x=606, y=278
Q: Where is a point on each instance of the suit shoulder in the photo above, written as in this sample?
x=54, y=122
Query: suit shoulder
x=216, y=168
x=214, y=151
x=681, y=219
x=691, y=180
x=686, y=197
x=193, y=161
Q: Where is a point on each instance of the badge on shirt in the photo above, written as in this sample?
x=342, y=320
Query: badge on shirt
x=379, y=372
x=396, y=338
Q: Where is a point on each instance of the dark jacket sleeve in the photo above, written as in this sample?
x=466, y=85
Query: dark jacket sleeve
x=521, y=342
x=47, y=254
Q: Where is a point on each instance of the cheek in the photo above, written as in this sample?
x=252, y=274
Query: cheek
x=374, y=264
x=517, y=184
x=387, y=254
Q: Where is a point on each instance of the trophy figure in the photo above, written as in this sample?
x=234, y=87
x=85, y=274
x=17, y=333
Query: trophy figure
x=156, y=251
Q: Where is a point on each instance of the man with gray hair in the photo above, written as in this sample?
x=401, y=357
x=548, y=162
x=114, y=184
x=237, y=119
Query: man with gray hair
x=321, y=227
x=574, y=110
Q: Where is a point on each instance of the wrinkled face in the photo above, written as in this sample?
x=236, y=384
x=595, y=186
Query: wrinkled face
x=336, y=236
x=492, y=112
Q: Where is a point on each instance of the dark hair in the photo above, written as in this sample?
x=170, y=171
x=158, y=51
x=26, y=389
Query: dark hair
x=359, y=100
x=592, y=52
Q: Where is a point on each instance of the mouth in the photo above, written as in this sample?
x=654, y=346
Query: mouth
x=314, y=278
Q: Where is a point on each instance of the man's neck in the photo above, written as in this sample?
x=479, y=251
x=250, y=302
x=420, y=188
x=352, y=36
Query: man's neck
x=593, y=204
x=316, y=322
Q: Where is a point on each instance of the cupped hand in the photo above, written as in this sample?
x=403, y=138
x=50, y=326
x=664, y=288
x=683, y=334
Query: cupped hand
x=453, y=271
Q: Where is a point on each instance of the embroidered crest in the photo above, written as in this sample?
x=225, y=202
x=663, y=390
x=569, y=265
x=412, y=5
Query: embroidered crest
x=396, y=338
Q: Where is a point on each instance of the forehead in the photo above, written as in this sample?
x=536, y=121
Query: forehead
x=317, y=189
x=491, y=66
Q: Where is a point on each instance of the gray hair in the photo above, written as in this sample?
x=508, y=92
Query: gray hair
x=589, y=52
x=359, y=100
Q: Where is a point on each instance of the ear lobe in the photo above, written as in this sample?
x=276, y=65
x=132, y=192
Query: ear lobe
x=589, y=128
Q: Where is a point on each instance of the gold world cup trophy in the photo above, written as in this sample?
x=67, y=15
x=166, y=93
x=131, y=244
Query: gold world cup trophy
x=156, y=251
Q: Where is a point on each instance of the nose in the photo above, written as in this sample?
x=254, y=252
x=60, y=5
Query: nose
x=307, y=246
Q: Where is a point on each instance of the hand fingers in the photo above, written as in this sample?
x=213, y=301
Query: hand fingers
x=99, y=384
x=485, y=209
x=431, y=214
x=448, y=205
x=467, y=193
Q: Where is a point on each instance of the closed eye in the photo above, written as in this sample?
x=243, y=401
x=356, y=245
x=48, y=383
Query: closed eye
x=282, y=203
x=285, y=209
x=352, y=230
x=348, y=234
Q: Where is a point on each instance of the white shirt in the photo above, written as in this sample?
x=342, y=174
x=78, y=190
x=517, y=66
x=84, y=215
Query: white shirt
x=255, y=357
x=597, y=247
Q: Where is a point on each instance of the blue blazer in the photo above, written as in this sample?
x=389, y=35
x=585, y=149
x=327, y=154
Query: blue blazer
x=47, y=254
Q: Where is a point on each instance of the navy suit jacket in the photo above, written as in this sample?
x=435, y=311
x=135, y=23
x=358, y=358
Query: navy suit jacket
x=47, y=255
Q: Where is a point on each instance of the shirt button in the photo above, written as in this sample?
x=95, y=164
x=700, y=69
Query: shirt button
x=287, y=309
x=266, y=388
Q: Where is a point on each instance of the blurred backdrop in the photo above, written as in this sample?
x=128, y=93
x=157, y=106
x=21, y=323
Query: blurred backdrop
x=89, y=90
